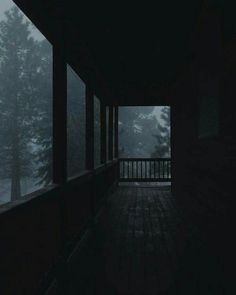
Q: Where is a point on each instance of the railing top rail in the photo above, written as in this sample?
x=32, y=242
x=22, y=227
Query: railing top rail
x=144, y=159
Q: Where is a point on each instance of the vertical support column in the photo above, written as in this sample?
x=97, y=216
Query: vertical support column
x=116, y=132
x=59, y=115
x=103, y=133
x=60, y=138
x=89, y=126
x=110, y=146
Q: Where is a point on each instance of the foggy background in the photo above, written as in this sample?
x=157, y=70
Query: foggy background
x=5, y=5
x=144, y=132
x=26, y=113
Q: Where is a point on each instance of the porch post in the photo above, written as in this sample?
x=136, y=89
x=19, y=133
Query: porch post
x=110, y=147
x=59, y=115
x=116, y=132
x=89, y=126
x=103, y=132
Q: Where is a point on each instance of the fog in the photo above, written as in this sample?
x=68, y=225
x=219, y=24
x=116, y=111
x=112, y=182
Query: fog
x=7, y=4
x=26, y=114
x=144, y=132
x=4, y=5
x=25, y=106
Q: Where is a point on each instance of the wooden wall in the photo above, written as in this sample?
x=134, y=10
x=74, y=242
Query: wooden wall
x=38, y=235
x=204, y=154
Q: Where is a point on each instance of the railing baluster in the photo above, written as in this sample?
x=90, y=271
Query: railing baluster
x=124, y=169
x=154, y=169
x=167, y=170
x=141, y=169
x=138, y=170
x=145, y=169
x=149, y=168
x=167, y=176
x=163, y=169
x=131, y=172
x=129, y=169
x=160, y=171
x=132, y=168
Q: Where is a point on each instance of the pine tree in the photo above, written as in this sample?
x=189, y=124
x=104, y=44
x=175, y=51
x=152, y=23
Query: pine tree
x=136, y=126
x=163, y=147
x=18, y=92
x=43, y=121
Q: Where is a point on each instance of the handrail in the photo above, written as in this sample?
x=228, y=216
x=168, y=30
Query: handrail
x=144, y=159
x=144, y=169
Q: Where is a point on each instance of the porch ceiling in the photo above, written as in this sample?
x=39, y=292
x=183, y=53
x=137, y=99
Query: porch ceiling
x=136, y=50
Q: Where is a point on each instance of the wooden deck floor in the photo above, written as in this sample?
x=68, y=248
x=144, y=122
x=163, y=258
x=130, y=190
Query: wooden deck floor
x=142, y=245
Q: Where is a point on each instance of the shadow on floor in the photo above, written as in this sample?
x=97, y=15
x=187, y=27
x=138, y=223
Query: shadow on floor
x=141, y=245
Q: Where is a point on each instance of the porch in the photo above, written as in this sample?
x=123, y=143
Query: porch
x=82, y=232
x=142, y=244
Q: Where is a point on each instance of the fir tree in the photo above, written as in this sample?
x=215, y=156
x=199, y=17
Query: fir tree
x=18, y=92
x=163, y=147
x=136, y=126
x=43, y=121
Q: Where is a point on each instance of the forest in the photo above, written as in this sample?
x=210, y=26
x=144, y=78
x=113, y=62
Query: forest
x=26, y=115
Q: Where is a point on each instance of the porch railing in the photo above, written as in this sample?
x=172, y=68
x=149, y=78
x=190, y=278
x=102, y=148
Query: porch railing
x=144, y=169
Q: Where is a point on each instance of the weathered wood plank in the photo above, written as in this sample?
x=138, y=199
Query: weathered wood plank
x=142, y=245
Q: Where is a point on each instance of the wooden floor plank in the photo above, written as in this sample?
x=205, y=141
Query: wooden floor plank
x=142, y=245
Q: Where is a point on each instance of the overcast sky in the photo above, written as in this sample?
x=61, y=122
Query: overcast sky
x=6, y=4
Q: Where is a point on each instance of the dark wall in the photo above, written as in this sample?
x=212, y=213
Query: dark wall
x=204, y=142
x=39, y=234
